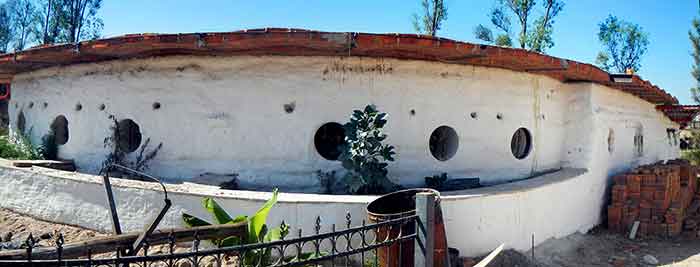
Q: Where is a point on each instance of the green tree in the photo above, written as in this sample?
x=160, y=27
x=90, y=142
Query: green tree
x=535, y=35
x=51, y=18
x=79, y=20
x=694, y=35
x=430, y=20
x=5, y=28
x=624, y=44
x=693, y=154
x=23, y=20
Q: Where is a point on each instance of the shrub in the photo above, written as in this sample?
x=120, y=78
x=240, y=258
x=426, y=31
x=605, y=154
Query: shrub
x=118, y=156
x=363, y=154
x=18, y=147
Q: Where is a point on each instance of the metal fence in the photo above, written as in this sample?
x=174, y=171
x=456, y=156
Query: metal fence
x=374, y=244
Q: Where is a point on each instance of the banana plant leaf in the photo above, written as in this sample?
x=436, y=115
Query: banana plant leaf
x=256, y=223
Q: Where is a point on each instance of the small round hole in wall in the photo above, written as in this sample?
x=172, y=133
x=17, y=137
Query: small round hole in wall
x=46, y=104
x=31, y=104
x=412, y=112
x=328, y=139
x=128, y=136
x=290, y=107
x=443, y=143
x=499, y=116
x=611, y=141
x=78, y=107
x=59, y=126
x=156, y=105
x=474, y=115
x=101, y=107
x=21, y=122
x=521, y=143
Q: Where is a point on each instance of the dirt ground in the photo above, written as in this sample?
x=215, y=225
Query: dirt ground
x=597, y=248
x=15, y=228
x=603, y=248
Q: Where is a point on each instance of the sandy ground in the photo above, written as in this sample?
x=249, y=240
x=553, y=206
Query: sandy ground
x=18, y=227
x=597, y=248
x=603, y=248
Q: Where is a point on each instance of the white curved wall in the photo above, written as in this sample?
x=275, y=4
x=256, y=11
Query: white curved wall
x=213, y=129
x=225, y=114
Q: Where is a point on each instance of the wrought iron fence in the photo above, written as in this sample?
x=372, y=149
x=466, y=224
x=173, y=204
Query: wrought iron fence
x=375, y=244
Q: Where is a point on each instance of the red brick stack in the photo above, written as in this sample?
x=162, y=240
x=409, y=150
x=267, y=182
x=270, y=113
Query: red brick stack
x=656, y=195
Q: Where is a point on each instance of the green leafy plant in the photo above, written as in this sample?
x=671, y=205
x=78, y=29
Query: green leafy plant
x=363, y=154
x=258, y=231
x=17, y=146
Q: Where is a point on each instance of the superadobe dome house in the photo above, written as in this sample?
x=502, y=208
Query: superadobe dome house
x=546, y=133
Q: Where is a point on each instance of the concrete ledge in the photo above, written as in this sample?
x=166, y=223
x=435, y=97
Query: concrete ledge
x=550, y=205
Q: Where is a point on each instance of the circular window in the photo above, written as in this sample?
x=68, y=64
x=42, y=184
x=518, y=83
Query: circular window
x=328, y=140
x=128, y=136
x=59, y=126
x=443, y=143
x=521, y=143
x=21, y=122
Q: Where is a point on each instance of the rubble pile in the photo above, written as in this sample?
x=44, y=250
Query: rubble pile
x=659, y=197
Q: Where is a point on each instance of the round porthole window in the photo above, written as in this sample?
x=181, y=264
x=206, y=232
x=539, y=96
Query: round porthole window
x=521, y=144
x=129, y=136
x=328, y=139
x=59, y=126
x=443, y=143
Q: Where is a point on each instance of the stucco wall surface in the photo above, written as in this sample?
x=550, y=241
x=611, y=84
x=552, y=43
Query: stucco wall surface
x=226, y=115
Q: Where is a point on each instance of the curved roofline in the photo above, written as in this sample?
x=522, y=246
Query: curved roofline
x=300, y=42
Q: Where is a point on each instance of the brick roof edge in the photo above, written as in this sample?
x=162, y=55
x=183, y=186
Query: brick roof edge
x=300, y=42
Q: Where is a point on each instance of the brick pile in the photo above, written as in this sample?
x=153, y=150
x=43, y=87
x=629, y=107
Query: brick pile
x=659, y=196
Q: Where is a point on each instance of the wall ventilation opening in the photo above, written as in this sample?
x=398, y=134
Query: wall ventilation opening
x=328, y=140
x=611, y=141
x=21, y=122
x=443, y=143
x=59, y=126
x=129, y=138
x=521, y=143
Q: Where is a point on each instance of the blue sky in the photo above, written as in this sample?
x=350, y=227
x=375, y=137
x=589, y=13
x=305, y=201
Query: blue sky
x=667, y=62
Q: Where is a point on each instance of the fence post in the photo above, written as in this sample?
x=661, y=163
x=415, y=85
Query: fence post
x=425, y=229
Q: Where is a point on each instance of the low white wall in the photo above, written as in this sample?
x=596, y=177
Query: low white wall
x=547, y=206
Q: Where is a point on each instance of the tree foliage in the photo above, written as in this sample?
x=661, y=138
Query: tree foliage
x=535, y=35
x=29, y=22
x=5, y=28
x=694, y=35
x=624, y=44
x=433, y=14
x=23, y=20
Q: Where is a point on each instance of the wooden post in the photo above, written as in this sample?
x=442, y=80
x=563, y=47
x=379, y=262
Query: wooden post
x=425, y=229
